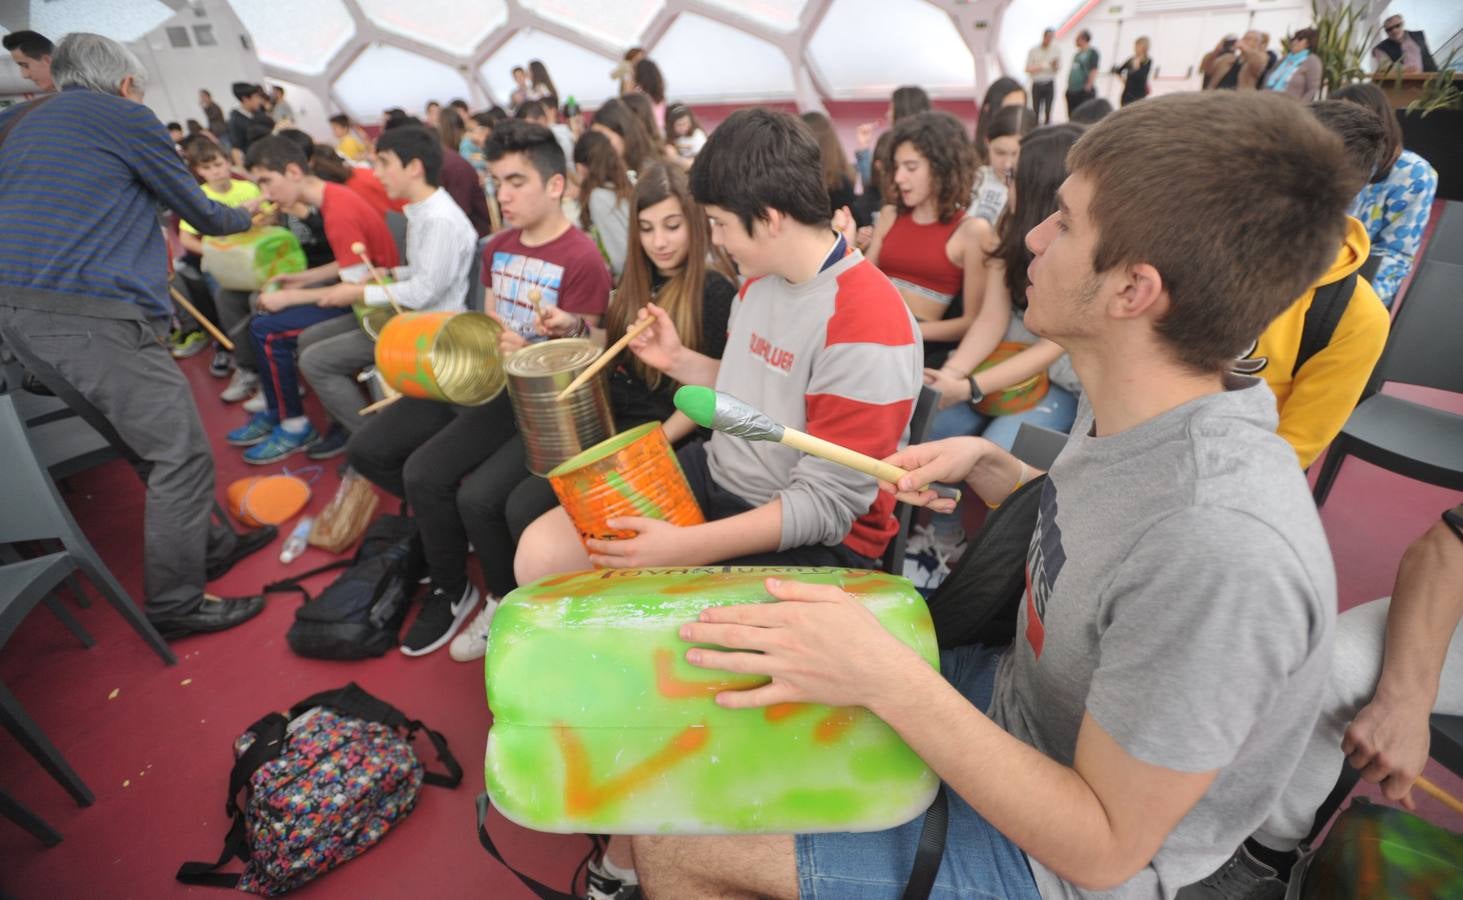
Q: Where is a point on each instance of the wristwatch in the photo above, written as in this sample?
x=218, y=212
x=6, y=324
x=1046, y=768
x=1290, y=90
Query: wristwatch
x=1454, y=518
x=976, y=394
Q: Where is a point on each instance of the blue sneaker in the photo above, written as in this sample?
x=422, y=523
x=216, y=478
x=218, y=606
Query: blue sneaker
x=259, y=427
x=281, y=443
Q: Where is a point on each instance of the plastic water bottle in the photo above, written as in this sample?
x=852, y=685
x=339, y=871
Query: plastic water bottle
x=298, y=540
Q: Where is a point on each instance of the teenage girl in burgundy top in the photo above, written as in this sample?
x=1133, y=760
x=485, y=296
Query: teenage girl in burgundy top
x=922, y=240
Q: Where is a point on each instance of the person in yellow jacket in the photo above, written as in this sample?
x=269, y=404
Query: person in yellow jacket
x=1315, y=400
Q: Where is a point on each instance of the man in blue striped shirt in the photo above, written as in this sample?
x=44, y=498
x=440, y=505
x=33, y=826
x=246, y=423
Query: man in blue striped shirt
x=84, y=305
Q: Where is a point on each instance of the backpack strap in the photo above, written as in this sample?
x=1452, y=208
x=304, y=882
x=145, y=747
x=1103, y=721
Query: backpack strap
x=294, y=583
x=1327, y=307
x=539, y=889
x=931, y=848
x=269, y=739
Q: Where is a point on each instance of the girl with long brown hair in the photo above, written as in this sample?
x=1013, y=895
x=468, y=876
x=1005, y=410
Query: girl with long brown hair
x=604, y=197
x=622, y=126
x=837, y=173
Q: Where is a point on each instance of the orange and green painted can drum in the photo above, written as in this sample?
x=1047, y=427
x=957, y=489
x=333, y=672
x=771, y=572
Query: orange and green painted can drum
x=1018, y=397
x=601, y=726
x=451, y=357
x=634, y=473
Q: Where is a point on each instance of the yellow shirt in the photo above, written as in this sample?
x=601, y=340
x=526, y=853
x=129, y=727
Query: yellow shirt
x=238, y=192
x=1316, y=401
x=351, y=148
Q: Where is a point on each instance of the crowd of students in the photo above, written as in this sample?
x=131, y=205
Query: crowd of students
x=1028, y=273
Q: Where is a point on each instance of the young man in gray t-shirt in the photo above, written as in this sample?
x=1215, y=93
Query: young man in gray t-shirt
x=1173, y=642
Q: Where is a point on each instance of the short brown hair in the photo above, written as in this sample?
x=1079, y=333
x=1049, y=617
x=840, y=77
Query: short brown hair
x=941, y=140
x=1238, y=200
x=1361, y=131
x=1366, y=94
x=198, y=150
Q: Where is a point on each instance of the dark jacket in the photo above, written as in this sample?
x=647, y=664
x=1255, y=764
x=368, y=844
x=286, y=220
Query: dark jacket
x=1393, y=50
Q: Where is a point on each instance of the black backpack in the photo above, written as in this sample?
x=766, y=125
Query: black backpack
x=360, y=613
x=978, y=601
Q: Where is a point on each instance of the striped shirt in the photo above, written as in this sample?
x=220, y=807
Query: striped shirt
x=837, y=357
x=441, y=244
x=80, y=180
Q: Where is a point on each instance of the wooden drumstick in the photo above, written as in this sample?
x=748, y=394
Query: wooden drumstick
x=1439, y=795
x=391, y=394
x=725, y=413
x=605, y=357
x=202, y=320
x=359, y=249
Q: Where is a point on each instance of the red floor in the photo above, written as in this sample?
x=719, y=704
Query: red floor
x=153, y=741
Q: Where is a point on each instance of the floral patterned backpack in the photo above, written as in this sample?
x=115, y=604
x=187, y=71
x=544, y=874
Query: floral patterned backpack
x=320, y=787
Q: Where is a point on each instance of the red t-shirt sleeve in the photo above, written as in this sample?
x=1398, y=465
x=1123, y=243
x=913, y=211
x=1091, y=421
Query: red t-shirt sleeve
x=587, y=282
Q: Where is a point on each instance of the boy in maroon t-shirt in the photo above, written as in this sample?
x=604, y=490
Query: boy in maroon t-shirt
x=456, y=465
x=283, y=175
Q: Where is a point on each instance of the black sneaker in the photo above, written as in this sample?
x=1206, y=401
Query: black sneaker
x=441, y=616
x=222, y=364
x=213, y=614
x=333, y=444
x=1242, y=877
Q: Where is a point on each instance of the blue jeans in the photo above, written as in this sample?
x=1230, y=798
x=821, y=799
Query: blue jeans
x=274, y=336
x=1057, y=410
x=979, y=861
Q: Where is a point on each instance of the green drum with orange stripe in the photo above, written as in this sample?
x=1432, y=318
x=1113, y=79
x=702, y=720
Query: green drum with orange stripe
x=634, y=473
x=601, y=726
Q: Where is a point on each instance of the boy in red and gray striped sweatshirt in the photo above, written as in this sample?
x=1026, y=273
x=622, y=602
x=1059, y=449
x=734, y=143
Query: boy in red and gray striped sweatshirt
x=818, y=339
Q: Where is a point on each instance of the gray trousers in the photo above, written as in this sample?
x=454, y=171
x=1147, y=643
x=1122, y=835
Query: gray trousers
x=1360, y=638
x=331, y=354
x=118, y=376
x=235, y=310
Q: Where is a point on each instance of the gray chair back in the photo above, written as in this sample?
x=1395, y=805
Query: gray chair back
x=919, y=429
x=397, y=223
x=1037, y=446
x=30, y=507
x=475, y=293
x=1446, y=243
x=1423, y=346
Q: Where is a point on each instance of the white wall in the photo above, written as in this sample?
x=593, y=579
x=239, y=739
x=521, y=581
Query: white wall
x=177, y=73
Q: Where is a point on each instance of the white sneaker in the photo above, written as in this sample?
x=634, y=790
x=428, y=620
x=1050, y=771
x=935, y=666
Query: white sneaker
x=929, y=555
x=240, y=387
x=257, y=403
x=472, y=642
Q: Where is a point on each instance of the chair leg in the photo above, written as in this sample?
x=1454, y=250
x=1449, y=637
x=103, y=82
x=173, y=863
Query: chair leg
x=18, y=813
x=73, y=582
x=1334, y=457
x=102, y=580
x=38, y=745
x=58, y=609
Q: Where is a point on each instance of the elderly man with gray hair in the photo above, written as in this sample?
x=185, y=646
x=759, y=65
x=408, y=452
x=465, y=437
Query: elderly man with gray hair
x=84, y=304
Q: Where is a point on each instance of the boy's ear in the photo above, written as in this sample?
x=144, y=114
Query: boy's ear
x=774, y=220
x=555, y=186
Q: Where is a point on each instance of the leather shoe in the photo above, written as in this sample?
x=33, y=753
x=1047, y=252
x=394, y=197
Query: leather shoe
x=213, y=614
x=248, y=542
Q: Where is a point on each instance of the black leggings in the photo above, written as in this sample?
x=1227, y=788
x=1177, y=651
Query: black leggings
x=462, y=471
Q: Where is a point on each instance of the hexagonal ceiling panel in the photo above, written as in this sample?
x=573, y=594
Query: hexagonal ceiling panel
x=782, y=15
x=577, y=72
x=860, y=61
x=302, y=37
x=704, y=59
x=618, y=24
x=456, y=26
x=384, y=76
x=120, y=20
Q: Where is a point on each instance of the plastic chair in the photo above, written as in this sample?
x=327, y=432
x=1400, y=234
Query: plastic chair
x=476, y=294
x=31, y=510
x=1037, y=446
x=919, y=429
x=1446, y=243
x=1447, y=742
x=396, y=222
x=1420, y=442
x=17, y=812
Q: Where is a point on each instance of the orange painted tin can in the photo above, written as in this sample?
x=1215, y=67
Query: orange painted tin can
x=451, y=357
x=634, y=473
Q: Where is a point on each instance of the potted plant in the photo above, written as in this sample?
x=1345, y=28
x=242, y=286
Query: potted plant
x=1343, y=40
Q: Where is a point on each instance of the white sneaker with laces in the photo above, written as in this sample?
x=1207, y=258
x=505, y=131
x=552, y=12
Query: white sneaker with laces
x=240, y=386
x=472, y=642
x=929, y=555
x=257, y=403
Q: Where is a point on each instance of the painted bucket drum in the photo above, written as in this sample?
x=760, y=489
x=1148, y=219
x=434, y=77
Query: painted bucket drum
x=372, y=318
x=601, y=726
x=249, y=260
x=451, y=357
x=634, y=473
x=553, y=430
x=1018, y=397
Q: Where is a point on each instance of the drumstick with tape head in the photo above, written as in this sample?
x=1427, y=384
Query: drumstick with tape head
x=725, y=413
x=359, y=249
x=604, y=358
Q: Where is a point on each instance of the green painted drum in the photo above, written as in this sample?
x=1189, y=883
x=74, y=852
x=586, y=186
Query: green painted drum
x=601, y=726
x=251, y=259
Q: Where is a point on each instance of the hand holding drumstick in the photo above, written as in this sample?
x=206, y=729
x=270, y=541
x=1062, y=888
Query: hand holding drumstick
x=359, y=249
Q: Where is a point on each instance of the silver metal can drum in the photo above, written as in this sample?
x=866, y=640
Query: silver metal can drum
x=554, y=430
